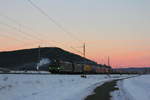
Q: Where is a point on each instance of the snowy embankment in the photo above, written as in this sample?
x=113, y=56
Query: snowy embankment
x=137, y=88
x=49, y=87
x=27, y=72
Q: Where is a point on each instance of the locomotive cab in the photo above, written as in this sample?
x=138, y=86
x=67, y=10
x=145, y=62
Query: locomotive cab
x=55, y=66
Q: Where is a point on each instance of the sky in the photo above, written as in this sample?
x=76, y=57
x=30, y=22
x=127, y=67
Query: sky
x=115, y=28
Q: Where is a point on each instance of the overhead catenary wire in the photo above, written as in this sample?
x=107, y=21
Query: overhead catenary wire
x=54, y=21
x=23, y=40
x=60, y=26
x=19, y=30
x=16, y=46
x=27, y=35
x=24, y=43
x=37, y=34
x=11, y=37
x=7, y=36
x=77, y=50
x=28, y=28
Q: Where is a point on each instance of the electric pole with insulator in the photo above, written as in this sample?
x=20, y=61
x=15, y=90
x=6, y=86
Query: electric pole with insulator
x=39, y=57
x=109, y=66
x=108, y=61
x=39, y=54
x=84, y=75
x=84, y=50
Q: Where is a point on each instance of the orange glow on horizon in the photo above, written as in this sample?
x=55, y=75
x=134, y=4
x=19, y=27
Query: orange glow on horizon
x=121, y=58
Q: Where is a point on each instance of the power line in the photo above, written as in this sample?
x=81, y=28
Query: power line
x=20, y=40
x=20, y=25
x=57, y=24
x=53, y=21
x=77, y=50
x=10, y=37
x=26, y=35
x=6, y=36
x=16, y=22
x=13, y=38
x=28, y=28
x=31, y=36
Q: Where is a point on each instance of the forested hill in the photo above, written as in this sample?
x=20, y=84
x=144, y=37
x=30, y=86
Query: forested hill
x=29, y=57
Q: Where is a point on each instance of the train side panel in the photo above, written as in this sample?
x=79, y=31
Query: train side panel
x=78, y=68
x=66, y=67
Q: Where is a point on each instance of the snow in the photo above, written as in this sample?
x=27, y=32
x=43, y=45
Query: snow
x=29, y=72
x=137, y=88
x=49, y=87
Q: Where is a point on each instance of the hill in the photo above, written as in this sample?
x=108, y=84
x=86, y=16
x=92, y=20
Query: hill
x=20, y=59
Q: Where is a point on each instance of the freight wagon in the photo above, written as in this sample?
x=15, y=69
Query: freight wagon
x=66, y=67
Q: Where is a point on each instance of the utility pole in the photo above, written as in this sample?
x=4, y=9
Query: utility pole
x=84, y=49
x=108, y=61
x=83, y=75
x=39, y=56
x=109, y=65
x=39, y=53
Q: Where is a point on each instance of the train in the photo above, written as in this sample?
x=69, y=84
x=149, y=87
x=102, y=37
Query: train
x=66, y=67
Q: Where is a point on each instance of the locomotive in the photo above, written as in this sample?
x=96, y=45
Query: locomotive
x=65, y=67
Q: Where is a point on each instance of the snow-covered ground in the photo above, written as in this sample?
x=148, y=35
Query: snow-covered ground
x=49, y=87
x=30, y=72
x=137, y=88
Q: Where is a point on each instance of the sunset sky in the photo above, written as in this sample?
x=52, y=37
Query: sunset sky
x=119, y=29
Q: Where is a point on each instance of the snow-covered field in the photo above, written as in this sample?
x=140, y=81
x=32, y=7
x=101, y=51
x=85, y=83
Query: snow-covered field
x=49, y=87
x=137, y=88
